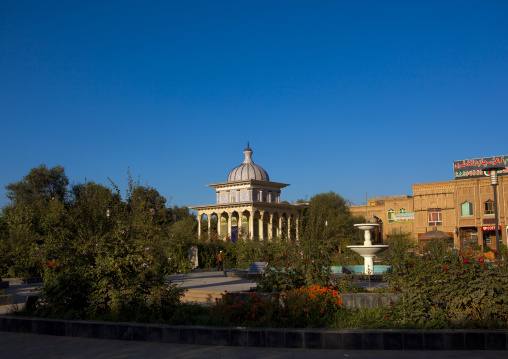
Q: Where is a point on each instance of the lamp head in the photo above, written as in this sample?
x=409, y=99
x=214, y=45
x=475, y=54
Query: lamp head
x=492, y=172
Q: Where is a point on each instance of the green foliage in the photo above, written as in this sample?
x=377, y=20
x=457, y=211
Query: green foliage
x=101, y=257
x=401, y=245
x=365, y=318
x=446, y=289
x=39, y=186
x=503, y=251
x=477, y=247
x=328, y=220
x=295, y=264
x=304, y=307
x=37, y=204
x=190, y=314
x=108, y=267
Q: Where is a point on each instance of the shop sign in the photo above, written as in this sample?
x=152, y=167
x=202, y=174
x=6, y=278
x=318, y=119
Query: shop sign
x=490, y=228
x=474, y=168
x=404, y=217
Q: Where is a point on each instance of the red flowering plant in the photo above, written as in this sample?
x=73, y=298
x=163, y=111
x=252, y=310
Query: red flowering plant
x=303, y=307
x=311, y=307
x=296, y=265
x=257, y=310
x=444, y=288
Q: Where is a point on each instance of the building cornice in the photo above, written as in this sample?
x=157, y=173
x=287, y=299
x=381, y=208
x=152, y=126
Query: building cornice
x=257, y=183
x=254, y=205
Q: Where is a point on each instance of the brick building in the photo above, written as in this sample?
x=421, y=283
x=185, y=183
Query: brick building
x=462, y=208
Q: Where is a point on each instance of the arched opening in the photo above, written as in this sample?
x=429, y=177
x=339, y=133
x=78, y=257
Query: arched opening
x=257, y=221
x=275, y=225
x=213, y=225
x=244, y=226
x=224, y=225
x=234, y=226
x=203, y=226
x=284, y=226
x=266, y=225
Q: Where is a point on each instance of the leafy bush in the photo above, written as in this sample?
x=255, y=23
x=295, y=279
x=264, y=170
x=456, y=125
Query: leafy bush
x=304, y=307
x=445, y=288
x=310, y=307
x=295, y=265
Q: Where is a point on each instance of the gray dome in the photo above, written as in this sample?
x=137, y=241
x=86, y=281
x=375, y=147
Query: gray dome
x=248, y=170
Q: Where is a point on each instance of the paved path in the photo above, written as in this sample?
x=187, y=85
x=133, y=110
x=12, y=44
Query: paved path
x=214, y=281
x=30, y=346
x=20, y=292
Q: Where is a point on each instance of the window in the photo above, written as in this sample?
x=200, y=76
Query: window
x=435, y=217
x=391, y=216
x=402, y=210
x=489, y=207
x=487, y=238
x=466, y=209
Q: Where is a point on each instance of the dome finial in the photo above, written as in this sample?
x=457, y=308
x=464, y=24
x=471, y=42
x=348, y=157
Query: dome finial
x=248, y=169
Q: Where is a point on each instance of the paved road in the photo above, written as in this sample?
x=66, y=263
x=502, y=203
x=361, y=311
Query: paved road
x=30, y=346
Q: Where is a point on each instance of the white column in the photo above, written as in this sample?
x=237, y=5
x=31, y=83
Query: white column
x=230, y=216
x=209, y=217
x=251, y=225
x=200, y=216
x=280, y=226
x=297, y=223
x=289, y=227
x=270, y=227
x=219, y=231
x=262, y=225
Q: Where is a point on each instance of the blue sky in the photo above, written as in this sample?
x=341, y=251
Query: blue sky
x=344, y=96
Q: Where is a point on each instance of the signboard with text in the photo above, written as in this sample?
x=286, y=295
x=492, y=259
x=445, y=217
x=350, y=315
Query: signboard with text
x=404, y=217
x=474, y=168
x=491, y=228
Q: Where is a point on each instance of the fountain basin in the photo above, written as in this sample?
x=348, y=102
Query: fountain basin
x=366, y=226
x=371, y=250
x=368, y=253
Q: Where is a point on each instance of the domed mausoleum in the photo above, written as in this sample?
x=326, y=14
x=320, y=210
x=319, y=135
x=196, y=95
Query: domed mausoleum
x=249, y=206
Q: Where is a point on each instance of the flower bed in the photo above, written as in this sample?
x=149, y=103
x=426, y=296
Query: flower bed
x=303, y=307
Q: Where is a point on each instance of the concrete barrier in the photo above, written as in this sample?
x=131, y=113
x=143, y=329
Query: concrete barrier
x=367, y=339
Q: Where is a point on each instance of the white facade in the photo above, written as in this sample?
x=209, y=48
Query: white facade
x=248, y=205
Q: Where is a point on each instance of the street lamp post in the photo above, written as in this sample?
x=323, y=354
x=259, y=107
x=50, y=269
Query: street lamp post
x=492, y=172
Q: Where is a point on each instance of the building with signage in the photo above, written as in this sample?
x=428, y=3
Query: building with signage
x=248, y=205
x=462, y=208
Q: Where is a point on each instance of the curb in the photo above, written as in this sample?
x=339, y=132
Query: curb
x=365, y=339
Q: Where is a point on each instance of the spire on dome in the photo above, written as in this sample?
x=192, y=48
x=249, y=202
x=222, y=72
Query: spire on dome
x=248, y=169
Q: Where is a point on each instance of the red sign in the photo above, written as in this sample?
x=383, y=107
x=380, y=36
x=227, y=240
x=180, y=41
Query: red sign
x=490, y=228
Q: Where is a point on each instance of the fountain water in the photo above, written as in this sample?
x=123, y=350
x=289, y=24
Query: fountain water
x=368, y=250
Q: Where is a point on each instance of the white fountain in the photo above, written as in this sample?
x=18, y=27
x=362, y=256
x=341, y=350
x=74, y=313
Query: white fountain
x=368, y=250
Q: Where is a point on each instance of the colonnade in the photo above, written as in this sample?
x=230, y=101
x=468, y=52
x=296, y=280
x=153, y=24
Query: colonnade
x=277, y=223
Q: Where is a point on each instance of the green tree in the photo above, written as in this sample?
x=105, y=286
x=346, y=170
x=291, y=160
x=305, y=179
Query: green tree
x=37, y=205
x=39, y=186
x=328, y=220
